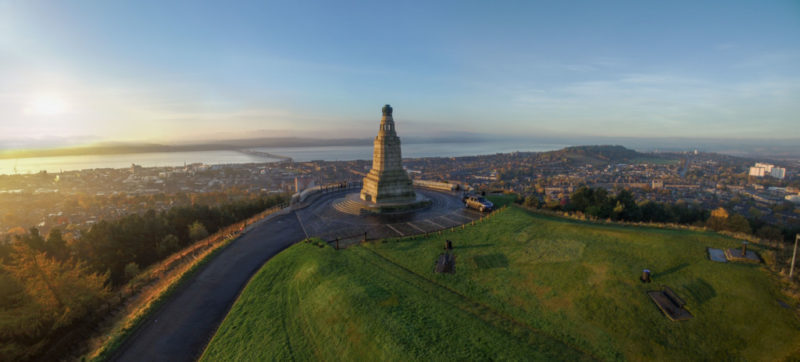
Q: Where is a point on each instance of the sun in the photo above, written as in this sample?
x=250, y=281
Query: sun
x=47, y=104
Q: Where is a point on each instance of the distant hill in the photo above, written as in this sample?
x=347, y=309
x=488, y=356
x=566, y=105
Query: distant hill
x=607, y=153
x=602, y=155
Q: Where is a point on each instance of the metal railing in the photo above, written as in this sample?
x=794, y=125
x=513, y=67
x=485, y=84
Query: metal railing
x=324, y=189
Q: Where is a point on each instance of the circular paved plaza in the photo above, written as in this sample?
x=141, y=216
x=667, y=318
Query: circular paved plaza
x=321, y=219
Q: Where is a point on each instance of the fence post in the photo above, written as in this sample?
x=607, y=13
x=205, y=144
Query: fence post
x=365, y=236
x=337, y=243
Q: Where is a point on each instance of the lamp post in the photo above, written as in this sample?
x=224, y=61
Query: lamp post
x=794, y=254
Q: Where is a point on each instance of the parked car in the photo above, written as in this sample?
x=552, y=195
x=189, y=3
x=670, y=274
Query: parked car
x=478, y=203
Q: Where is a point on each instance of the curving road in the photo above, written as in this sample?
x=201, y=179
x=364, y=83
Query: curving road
x=181, y=328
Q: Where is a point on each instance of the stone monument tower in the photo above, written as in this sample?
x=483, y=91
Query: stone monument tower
x=387, y=181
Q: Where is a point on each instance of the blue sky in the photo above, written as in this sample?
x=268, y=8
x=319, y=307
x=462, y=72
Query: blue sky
x=81, y=71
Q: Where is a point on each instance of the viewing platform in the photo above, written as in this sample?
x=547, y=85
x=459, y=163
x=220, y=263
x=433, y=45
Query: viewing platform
x=354, y=205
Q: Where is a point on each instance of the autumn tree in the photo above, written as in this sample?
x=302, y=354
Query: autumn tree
x=47, y=294
x=718, y=219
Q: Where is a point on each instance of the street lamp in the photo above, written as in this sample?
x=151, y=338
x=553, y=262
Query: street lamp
x=794, y=254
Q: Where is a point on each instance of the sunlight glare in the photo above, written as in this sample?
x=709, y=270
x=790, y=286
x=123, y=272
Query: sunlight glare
x=47, y=105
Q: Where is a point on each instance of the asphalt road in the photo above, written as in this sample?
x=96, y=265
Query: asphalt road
x=181, y=328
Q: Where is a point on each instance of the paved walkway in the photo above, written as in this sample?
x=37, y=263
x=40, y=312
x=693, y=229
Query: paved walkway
x=181, y=328
x=320, y=219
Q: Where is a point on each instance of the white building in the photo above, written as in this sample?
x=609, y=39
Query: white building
x=766, y=166
x=778, y=172
x=766, y=169
x=757, y=171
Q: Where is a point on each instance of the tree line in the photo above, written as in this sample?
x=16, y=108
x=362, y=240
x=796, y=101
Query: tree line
x=47, y=284
x=598, y=203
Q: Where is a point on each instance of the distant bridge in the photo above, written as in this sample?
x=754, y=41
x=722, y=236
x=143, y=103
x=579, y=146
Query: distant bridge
x=263, y=154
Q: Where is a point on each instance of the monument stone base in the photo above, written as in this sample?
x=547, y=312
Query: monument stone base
x=354, y=205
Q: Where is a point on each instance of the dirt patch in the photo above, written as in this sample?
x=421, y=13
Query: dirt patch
x=390, y=302
x=558, y=304
x=598, y=273
x=528, y=289
x=354, y=335
x=305, y=272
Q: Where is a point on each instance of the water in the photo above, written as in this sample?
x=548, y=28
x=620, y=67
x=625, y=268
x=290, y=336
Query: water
x=300, y=154
x=150, y=159
x=415, y=150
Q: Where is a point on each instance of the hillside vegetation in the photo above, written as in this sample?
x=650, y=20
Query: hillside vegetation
x=603, y=155
x=526, y=286
x=52, y=292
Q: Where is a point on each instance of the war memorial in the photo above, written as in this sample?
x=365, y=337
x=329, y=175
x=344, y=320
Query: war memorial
x=385, y=204
x=387, y=187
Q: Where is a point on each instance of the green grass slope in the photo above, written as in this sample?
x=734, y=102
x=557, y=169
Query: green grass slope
x=526, y=286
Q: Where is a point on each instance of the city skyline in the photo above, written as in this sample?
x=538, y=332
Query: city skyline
x=83, y=72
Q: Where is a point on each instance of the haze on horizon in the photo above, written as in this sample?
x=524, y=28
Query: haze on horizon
x=87, y=71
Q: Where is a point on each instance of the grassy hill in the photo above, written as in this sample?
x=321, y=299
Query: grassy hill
x=598, y=155
x=526, y=286
x=602, y=155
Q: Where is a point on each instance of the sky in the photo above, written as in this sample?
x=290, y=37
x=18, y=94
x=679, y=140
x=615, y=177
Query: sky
x=74, y=72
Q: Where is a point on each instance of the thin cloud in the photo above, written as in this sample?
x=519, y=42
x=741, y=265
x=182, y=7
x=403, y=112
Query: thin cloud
x=659, y=104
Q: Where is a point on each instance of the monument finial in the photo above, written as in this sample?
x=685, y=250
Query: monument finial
x=387, y=110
